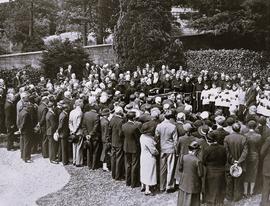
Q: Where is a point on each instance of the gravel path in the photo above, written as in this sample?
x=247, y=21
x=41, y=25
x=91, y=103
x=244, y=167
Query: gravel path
x=22, y=184
x=96, y=188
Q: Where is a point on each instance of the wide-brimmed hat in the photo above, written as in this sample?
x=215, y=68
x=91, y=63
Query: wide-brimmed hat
x=148, y=128
x=203, y=130
x=194, y=146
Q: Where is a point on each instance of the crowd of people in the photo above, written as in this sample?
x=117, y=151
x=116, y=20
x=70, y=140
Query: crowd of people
x=205, y=135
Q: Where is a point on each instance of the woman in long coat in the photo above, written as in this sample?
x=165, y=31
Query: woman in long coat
x=148, y=166
x=214, y=160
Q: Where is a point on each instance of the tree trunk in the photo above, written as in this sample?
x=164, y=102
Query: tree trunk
x=100, y=26
x=84, y=32
x=31, y=23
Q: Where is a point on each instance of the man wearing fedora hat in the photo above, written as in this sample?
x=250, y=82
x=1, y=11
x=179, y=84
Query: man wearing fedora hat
x=192, y=172
x=237, y=150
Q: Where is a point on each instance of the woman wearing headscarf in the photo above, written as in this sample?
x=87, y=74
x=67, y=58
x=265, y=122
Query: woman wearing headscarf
x=190, y=184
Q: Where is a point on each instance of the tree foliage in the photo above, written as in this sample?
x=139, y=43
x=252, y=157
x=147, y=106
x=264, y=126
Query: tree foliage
x=143, y=32
x=61, y=54
x=239, y=17
x=55, y=16
x=15, y=20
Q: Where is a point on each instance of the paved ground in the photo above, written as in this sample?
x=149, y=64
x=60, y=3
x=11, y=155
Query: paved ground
x=22, y=184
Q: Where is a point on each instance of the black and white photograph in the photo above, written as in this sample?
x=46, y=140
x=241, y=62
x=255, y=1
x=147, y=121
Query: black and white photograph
x=134, y=102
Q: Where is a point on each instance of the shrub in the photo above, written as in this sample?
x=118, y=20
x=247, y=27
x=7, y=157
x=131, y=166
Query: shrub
x=227, y=61
x=32, y=73
x=61, y=54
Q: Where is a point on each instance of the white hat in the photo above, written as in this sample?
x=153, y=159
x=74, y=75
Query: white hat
x=188, y=108
x=166, y=106
x=181, y=116
x=91, y=99
x=204, y=115
x=103, y=99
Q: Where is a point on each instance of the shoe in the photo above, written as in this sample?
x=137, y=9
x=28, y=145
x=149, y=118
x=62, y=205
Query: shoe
x=105, y=170
x=170, y=190
x=54, y=162
x=28, y=161
x=78, y=165
x=142, y=189
x=148, y=194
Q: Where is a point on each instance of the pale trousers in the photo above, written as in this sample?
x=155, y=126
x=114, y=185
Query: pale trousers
x=78, y=152
x=167, y=170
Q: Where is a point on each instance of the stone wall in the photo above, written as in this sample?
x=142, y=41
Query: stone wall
x=99, y=54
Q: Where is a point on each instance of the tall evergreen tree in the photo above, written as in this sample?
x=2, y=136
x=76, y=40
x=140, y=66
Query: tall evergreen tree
x=143, y=32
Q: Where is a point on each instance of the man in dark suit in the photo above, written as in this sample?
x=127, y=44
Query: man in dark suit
x=192, y=171
x=68, y=72
x=105, y=138
x=237, y=149
x=132, y=150
x=16, y=82
x=117, y=159
x=91, y=129
x=265, y=157
x=63, y=131
x=42, y=111
x=26, y=128
x=51, y=126
x=86, y=71
x=251, y=94
x=10, y=119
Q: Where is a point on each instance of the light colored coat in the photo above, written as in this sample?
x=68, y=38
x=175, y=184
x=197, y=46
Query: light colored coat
x=75, y=118
x=148, y=166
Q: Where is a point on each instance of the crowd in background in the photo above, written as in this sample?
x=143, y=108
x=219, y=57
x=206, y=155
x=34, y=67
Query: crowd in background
x=159, y=129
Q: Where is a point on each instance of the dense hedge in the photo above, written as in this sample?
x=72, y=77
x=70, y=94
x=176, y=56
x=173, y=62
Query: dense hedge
x=32, y=73
x=228, y=61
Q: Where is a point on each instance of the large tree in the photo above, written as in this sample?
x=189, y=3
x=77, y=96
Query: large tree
x=143, y=32
x=26, y=22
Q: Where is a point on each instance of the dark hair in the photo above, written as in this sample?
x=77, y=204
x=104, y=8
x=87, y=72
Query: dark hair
x=131, y=115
